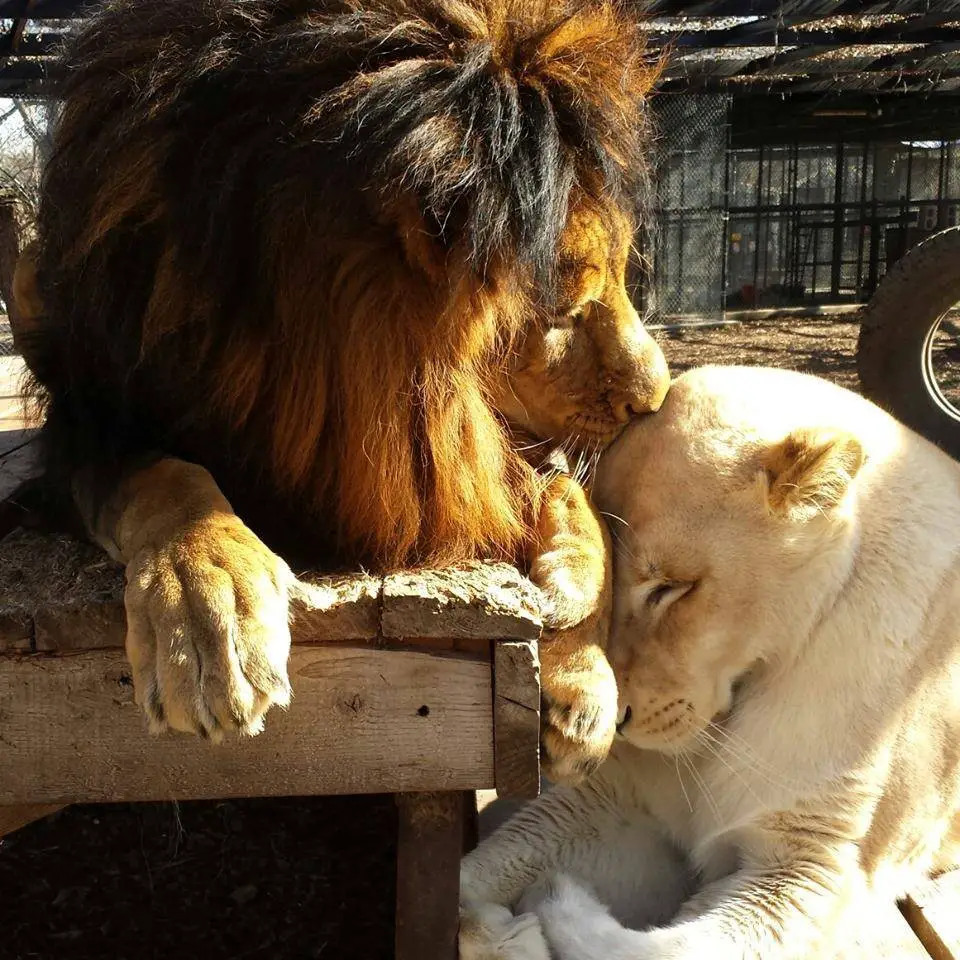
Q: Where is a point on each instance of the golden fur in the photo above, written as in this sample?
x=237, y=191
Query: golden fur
x=786, y=643
x=350, y=258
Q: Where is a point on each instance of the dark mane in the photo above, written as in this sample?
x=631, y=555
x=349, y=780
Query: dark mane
x=292, y=240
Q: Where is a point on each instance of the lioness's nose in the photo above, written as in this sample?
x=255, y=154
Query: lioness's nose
x=645, y=383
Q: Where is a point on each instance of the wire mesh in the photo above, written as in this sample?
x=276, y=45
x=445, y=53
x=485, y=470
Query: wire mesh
x=688, y=246
x=785, y=224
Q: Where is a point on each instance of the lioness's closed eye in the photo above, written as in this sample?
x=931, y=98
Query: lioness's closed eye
x=786, y=643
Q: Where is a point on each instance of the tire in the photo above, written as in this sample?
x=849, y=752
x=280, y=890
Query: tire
x=897, y=331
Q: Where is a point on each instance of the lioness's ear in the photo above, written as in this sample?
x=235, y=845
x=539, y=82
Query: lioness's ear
x=808, y=472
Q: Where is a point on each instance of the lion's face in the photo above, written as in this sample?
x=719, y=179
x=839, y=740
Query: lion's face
x=733, y=532
x=584, y=368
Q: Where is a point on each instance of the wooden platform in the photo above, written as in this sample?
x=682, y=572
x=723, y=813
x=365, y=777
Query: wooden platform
x=423, y=685
x=394, y=686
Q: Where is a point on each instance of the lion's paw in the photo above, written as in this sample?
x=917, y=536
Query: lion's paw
x=492, y=932
x=578, y=711
x=207, y=629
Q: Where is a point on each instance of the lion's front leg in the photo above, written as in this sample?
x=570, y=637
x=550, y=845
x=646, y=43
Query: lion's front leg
x=206, y=602
x=572, y=567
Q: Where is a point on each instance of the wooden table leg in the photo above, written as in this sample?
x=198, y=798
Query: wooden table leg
x=471, y=821
x=429, y=846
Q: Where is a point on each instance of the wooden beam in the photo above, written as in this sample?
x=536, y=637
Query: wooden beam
x=362, y=721
x=19, y=24
x=516, y=719
x=72, y=594
x=480, y=601
x=429, y=847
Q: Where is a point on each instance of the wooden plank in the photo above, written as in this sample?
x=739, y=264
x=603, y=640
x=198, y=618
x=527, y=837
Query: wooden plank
x=483, y=600
x=516, y=719
x=933, y=911
x=72, y=594
x=362, y=720
x=429, y=847
x=328, y=609
x=14, y=817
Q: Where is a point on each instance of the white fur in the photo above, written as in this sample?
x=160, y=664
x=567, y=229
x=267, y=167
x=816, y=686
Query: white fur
x=832, y=782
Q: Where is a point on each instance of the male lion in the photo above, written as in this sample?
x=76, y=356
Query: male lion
x=787, y=643
x=315, y=274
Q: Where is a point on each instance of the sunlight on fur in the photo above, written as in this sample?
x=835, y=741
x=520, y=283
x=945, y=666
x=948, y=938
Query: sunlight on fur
x=324, y=284
x=787, y=651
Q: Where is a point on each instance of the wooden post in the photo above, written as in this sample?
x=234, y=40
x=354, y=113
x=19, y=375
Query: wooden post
x=516, y=719
x=429, y=847
x=9, y=251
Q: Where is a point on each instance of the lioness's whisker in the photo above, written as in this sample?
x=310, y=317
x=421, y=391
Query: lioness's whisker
x=741, y=750
x=714, y=750
x=683, y=786
x=702, y=785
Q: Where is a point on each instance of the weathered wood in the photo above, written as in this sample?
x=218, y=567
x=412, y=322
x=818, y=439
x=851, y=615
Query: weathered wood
x=429, y=847
x=14, y=817
x=19, y=440
x=68, y=595
x=362, y=720
x=327, y=609
x=516, y=719
x=933, y=911
x=58, y=576
x=482, y=600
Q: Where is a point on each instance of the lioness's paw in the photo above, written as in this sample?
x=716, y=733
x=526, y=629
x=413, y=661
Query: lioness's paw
x=491, y=932
x=578, y=709
x=572, y=921
x=207, y=631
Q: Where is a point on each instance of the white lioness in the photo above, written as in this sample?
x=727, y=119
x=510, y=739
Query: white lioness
x=787, y=643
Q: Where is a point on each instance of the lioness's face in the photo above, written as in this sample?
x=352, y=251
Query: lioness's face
x=730, y=532
x=586, y=365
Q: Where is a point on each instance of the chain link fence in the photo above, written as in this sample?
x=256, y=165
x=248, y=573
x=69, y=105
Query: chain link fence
x=687, y=246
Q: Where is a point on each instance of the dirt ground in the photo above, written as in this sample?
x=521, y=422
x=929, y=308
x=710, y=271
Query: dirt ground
x=826, y=348
x=278, y=879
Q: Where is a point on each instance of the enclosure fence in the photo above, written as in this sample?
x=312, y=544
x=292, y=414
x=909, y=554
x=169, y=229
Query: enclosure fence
x=787, y=224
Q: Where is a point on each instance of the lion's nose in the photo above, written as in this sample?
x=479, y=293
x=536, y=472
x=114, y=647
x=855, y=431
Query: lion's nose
x=645, y=390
